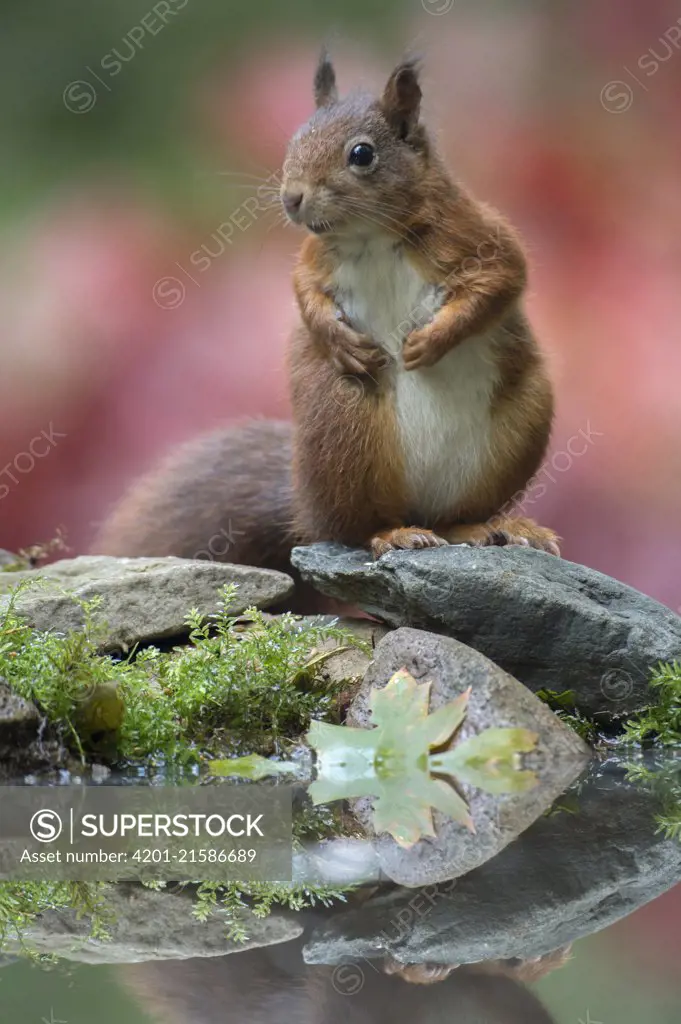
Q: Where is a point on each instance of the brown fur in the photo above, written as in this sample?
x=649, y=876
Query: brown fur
x=503, y=530
x=347, y=466
x=226, y=496
x=274, y=986
x=404, y=538
x=348, y=472
x=528, y=970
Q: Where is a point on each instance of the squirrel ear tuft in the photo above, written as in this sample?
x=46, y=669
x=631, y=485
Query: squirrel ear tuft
x=401, y=100
x=325, y=91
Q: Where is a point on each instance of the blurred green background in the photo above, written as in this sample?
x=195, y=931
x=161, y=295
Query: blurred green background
x=131, y=130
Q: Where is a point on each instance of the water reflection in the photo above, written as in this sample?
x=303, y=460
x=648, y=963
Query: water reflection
x=273, y=985
x=596, y=857
x=465, y=950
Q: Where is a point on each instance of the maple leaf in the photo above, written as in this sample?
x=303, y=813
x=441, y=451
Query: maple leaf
x=490, y=760
x=392, y=762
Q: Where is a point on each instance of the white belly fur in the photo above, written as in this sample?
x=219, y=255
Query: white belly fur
x=443, y=411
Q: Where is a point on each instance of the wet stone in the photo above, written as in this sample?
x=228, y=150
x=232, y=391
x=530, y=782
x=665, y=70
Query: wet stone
x=497, y=700
x=549, y=622
x=151, y=925
x=595, y=859
x=142, y=599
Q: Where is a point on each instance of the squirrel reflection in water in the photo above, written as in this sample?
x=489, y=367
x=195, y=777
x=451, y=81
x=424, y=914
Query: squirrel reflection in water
x=274, y=986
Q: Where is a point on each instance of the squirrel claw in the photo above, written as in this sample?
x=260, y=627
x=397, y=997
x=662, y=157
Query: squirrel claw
x=505, y=531
x=418, y=974
x=358, y=355
x=502, y=538
x=407, y=538
x=347, y=364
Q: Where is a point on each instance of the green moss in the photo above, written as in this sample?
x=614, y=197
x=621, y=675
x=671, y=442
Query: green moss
x=21, y=902
x=664, y=782
x=259, y=897
x=657, y=725
x=233, y=688
x=563, y=706
x=660, y=724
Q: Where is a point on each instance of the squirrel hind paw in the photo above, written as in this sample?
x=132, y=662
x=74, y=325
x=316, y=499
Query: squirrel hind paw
x=418, y=974
x=405, y=538
x=505, y=531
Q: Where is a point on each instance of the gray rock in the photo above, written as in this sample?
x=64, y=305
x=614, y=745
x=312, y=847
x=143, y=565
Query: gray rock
x=349, y=665
x=497, y=700
x=23, y=747
x=10, y=561
x=142, y=598
x=19, y=718
x=547, y=621
x=151, y=925
x=569, y=875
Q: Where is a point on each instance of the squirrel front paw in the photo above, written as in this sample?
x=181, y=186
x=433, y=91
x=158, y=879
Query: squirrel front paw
x=356, y=353
x=425, y=347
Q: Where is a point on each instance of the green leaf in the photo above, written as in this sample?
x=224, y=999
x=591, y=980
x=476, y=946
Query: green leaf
x=252, y=767
x=392, y=761
x=402, y=699
x=490, y=760
x=442, y=724
x=346, y=762
x=403, y=813
x=445, y=799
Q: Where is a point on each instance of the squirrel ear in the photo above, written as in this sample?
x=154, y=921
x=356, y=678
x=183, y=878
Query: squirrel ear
x=325, y=92
x=401, y=100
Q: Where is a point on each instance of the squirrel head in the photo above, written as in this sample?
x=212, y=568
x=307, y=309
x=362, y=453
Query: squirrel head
x=357, y=166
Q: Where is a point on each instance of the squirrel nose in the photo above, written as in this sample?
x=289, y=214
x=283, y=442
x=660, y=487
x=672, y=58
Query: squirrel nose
x=292, y=201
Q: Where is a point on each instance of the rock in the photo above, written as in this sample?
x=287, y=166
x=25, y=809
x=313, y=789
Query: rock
x=23, y=747
x=19, y=718
x=143, y=599
x=10, y=562
x=497, y=700
x=151, y=925
x=368, y=630
x=549, y=622
x=569, y=875
x=350, y=665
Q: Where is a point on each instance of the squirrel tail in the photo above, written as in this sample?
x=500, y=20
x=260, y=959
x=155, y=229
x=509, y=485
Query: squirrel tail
x=225, y=497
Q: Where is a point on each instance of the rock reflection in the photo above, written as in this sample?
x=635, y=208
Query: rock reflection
x=571, y=873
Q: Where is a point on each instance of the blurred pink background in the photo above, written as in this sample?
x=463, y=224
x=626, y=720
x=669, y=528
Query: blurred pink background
x=589, y=171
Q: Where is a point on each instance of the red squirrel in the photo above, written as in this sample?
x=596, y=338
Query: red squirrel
x=421, y=401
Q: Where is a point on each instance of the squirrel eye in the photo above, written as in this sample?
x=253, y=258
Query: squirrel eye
x=361, y=155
